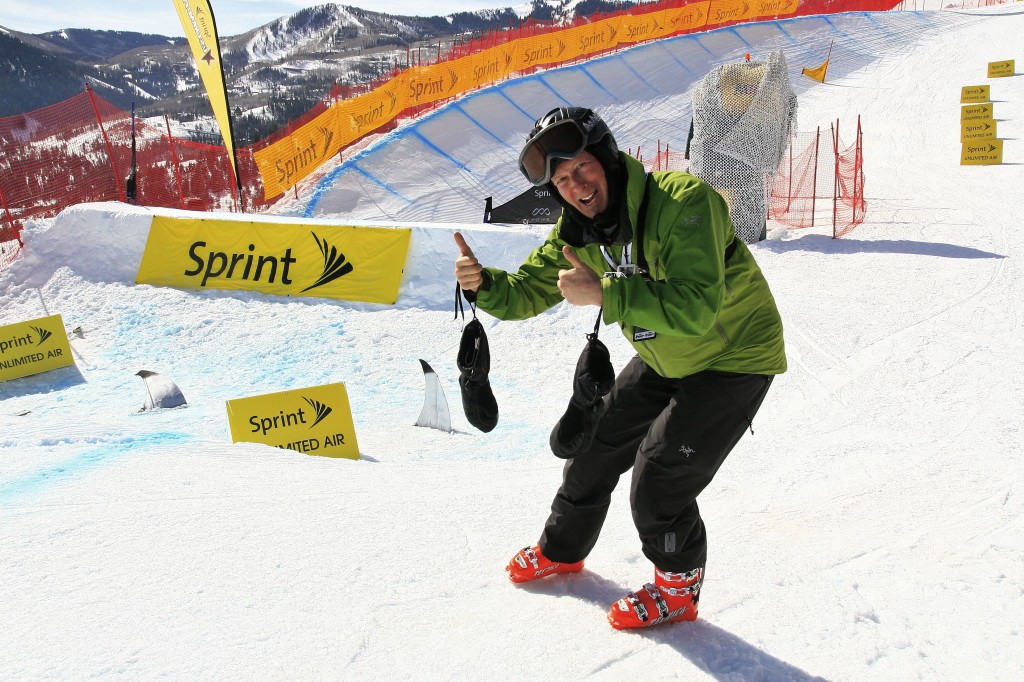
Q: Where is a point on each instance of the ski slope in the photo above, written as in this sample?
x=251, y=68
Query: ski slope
x=870, y=529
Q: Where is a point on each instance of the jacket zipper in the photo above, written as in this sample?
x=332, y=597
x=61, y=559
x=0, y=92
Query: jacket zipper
x=654, y=357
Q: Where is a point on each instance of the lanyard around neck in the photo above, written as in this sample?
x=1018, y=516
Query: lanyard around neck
x=611, y=262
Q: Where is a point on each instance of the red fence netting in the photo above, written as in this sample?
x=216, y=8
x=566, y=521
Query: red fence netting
x=820, y=180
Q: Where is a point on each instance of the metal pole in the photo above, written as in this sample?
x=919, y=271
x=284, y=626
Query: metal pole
x=814, y=186
x=835, y=177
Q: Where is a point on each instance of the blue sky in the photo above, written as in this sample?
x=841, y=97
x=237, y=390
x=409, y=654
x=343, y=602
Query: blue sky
x=158, y=16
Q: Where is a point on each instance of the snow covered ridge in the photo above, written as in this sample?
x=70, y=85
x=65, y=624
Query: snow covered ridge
x=117, y=235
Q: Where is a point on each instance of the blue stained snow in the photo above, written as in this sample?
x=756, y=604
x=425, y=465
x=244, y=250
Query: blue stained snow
x=82, y=463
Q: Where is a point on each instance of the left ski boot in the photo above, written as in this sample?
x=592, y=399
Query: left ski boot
x=671, y=598
x=529, y=564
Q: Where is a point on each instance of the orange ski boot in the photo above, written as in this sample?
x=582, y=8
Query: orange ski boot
x=673, y=597
x=529, y=564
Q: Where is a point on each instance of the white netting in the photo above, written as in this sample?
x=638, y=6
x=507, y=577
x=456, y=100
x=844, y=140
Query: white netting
x=742, y=117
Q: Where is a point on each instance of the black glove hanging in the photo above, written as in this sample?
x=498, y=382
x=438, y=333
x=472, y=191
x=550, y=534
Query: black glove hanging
x=474, y=364
x=595, y=376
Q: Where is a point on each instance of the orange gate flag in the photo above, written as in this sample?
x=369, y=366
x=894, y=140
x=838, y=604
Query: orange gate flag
x=818, y=73
x=201, y=30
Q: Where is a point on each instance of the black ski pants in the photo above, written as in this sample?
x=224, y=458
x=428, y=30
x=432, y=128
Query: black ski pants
x=675, y=434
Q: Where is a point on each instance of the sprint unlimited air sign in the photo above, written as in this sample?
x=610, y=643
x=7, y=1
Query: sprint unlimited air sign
x=33, y=347
x=317, y=421
x=330, y=261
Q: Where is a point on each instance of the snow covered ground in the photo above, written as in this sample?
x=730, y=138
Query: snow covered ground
x=872, y=528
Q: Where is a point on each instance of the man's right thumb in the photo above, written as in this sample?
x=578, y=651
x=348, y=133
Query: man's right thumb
x=464, y=249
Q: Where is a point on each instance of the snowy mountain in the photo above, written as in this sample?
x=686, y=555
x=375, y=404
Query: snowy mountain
x=277, y=71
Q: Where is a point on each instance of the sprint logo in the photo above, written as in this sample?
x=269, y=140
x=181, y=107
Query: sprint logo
x=335, y=265
x=320, y=409
x=43, y=334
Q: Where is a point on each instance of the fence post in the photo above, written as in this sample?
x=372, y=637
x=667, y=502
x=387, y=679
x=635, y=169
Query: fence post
x=789, y=189
x=814, y=185
x=835, y=177
x=858, y=168
x=174, y=160
x=110, y=150
x=10, y=219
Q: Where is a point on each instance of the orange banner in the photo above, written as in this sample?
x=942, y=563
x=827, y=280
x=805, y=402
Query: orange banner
x=293, y=158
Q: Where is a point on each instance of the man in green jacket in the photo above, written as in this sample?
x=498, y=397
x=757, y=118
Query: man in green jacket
x=659, y=256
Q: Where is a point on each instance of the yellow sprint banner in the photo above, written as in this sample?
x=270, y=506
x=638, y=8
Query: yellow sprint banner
x=977, y=130
x=686, y=18
x=34, y=346
x=317, y=421
x=291, y=159
x=974, y=93
x=981, y=153
x=977, y=112
x=1000, y=69
x=331, y=261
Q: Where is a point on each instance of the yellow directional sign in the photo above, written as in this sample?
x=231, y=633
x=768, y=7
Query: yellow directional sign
x=316, y=420
x=982, y=153
x=977, y=130
x=974, y=93
x=1000, y=69
x=977, y=112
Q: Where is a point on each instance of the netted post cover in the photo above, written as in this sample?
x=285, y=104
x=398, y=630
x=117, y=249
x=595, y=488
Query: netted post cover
x=742, y=117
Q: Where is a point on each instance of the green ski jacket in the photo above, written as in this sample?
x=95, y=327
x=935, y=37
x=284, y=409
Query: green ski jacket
x=697, y=309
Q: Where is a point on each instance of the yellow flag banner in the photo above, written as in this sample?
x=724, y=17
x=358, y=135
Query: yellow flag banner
x=316, y=420
x=817, y=73
x=288, y=161
x=352, y=263
x=201, y=31
x=32, y=347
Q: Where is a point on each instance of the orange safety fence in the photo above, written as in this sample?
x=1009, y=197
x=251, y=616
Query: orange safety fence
x=820, y=180
x=80, y=150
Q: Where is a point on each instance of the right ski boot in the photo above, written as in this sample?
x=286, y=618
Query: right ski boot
x=670, y=599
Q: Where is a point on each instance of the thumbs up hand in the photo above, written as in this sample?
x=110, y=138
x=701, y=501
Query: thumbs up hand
x=579, y=285
x=467, y=268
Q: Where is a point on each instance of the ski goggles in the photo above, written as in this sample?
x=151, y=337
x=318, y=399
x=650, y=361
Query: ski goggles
x=563, y=140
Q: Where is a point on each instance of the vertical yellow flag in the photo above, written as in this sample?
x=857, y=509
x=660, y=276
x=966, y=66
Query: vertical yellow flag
x=201, y=31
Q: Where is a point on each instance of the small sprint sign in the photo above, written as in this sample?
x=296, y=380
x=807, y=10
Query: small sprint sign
x=982, y=153
x=974, y=93
x=976, y=112
x=1000, y=69
x=315, y=420
x=977, y=130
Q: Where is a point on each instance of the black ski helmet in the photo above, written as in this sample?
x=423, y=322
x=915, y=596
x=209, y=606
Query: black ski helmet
x=563, y=133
